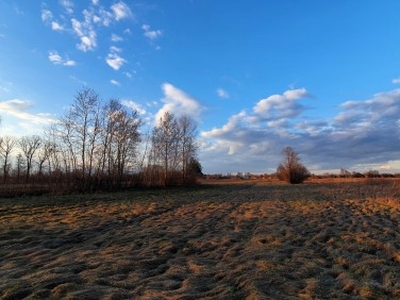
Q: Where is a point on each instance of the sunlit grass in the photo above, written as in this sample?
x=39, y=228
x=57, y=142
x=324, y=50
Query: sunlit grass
x=254, y=241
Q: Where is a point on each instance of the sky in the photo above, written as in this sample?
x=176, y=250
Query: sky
x=322, y=77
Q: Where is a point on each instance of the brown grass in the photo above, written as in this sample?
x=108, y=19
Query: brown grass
x=237, y=241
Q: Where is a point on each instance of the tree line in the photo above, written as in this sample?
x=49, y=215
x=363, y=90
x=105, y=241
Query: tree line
x=100, y=147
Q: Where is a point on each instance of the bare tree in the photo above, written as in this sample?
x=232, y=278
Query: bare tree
x=165, y=141
x=7, y=144
x=291, y=169
x=120, y=137
x=29, y=145
x=44, y=156
x=173, y=147
x=188, y=147
x=78, y=132
x=20, y=164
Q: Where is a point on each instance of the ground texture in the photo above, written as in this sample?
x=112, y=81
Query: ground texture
x=242, y=241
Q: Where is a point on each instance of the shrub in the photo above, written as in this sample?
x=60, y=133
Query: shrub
x=291, y=169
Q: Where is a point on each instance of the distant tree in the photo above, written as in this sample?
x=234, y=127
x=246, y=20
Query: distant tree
x=7, y=144
x=195, y=167
x=345, y=173
x=20, y=166
x=43, y=156
x=29, y=145
x=173, y=147
x=165, y=142
x=187, y=146
x=291, y=169
x=120, y=137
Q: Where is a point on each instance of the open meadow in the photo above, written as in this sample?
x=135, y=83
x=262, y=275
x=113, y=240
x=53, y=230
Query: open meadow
x=249, y=240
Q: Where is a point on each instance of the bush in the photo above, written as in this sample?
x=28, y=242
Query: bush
x=291, y=169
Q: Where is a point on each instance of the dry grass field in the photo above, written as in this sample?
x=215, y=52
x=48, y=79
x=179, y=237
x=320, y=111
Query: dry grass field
x=247, y=240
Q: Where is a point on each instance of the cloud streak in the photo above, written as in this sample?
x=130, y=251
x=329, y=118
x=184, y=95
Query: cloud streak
x=20, y=109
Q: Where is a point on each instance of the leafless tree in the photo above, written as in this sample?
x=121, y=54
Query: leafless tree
x=44, y=156
x=7, y=145
x=29, y=145
x=173, y=146
x=20, y=165
x=165, y=141
x=188, y=147
x=291, y=169
x=77, y=132
x=120, y=137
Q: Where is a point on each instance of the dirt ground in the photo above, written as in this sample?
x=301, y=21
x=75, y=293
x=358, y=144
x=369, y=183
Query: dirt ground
x=237, y=241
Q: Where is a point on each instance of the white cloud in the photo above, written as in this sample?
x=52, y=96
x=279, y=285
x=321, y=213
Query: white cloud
x=86, y=34
x=56, y=59
x=68, y=6
x=102, y=17
x=5, y=86
x=178, y=102
x=114, y=82
x=56, y=26
x=19, y=108
x=128, y=74
x=134, y=106
x=114, y=60
x=48, y=19
x=121, y=10
x=281, y=106
x=95, y=16
x=396, y=81
x=47, y=16
x=116, y=38
x=222, y=93
x=151, y=34
x=364, y=134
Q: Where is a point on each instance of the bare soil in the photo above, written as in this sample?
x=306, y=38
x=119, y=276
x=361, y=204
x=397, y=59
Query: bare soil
x=236, y=241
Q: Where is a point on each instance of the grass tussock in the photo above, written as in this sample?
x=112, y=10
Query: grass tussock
x=247, y=241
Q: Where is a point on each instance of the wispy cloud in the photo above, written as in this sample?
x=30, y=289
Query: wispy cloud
x=68, y=6
x=114, y=60
x=129, y=74
x=121, y=10
x=114, y=82
x=222, y=93
x=178, y=102
x=134, y=106
x=396, y=81
x=47, y=16
x=86, y=34
x=20, y=109
x=116, y=38
x=151, y=34
x=56, y=59
x=85, y=29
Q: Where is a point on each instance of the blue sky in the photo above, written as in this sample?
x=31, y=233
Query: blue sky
x=320, y=76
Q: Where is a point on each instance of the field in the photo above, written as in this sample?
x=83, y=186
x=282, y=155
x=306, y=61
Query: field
x=248, y=240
